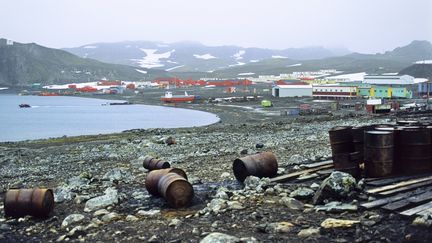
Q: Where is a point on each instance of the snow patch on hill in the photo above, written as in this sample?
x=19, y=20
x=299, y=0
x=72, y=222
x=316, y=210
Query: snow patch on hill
x=153, y=59
x=205, y=56
x=141, y=71
x=276, y=56
x=239, y=55
x=90, y=47
x=170, y=69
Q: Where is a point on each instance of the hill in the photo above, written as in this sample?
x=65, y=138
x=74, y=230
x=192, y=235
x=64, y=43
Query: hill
x=388, y=62
x=419, y=70
x=23, y=64
x=192, y=56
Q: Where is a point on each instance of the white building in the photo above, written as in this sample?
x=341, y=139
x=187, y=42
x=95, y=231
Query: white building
x=389, y=80
x=292, y=90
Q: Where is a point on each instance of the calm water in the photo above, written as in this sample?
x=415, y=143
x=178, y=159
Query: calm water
x=60, y=115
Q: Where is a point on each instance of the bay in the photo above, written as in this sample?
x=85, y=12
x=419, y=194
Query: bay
x=56, y=116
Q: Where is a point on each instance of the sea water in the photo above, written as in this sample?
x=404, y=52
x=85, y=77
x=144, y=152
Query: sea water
x=56, y=116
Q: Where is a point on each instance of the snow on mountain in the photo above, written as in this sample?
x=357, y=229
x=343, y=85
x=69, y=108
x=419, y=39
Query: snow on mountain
x=239, y=54
x=277, y=56
x=153, y=59
x=90, y=47
x=295, y=65
x=141, y=71
x=170, y=69
x=245, y=74
x=205, y=56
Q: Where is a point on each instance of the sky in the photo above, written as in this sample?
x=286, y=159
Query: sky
x=366, y=26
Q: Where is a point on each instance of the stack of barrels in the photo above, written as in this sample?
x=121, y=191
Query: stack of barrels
x=169, y=183
x=405, y=148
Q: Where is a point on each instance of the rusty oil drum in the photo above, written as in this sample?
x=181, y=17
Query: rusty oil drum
x=151, y=163
x=358, y=139
x=341, y=140
x=348, y=163
x=35, y=202
x=176, y=190
x=259, y=165
x=379, y=153
x=414, y=150
x=153, y=177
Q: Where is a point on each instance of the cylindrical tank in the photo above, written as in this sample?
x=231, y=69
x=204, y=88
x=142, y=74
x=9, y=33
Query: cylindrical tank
x=414, y=150
x=379, y=153
x=348, y=162
x=341, y=140
x=35, y=202
x=176, y=190
x=358, y=139
x=151, y=163
x=260, y=165
x=407, y=122
x=153, y=177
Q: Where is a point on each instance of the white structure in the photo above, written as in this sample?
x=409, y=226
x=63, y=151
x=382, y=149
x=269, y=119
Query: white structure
x=9, y=42
x=292, y=90
x=334, y=91
x=389, y=80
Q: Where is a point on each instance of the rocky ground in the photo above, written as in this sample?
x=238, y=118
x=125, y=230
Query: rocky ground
x=100, y=194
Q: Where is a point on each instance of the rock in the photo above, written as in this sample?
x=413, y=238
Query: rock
x=131, y=218
x=259, y=145
x=140, y=195
x=292, y=203
x=77, y=231
x=62, y=194
x=331, y=223
x=235, y=205
x=175, y=223
x=338, y=185
x=314, y=186
x=110, y=217
x=296, y=159
x=279, y=227
x=170, y=141
x=110, y=198
x=72, y=219
x=78, y=182
x=243, y=152
x=253, y=182
x=216, y=237
x=336, y=207
x=81, y=198
x=221, y=194
x=424, y=221
x=100, y=212
x=150, y=213
x=225, y=175
x=5, y=227
x=304, y=233
x=302, y=193
x=118, y=174
x=154, y=238
x=216, y=205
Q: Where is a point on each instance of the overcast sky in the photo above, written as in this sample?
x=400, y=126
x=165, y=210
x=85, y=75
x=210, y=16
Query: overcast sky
x=367, y=26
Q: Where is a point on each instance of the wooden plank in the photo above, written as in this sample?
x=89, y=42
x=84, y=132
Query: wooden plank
x=386, y=181
x=400, y=184
x=417, y=209
x=384, y=201
x=413, y=200
x=406, y=188
x=317, y=164
x=287, y=177
x=424, y=212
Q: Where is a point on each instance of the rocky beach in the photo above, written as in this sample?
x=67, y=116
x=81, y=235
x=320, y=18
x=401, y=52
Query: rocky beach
x=98, y=184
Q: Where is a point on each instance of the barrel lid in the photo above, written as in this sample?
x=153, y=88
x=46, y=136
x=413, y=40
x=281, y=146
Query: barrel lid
x=339, y=128
x=379, y=132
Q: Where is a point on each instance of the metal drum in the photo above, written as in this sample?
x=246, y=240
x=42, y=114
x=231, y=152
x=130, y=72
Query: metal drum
x=176, y=190
x=379, y=153
x=414, y=150
x=341, y=140
x=35, y=202
x=348, y=162
x=259, y=165
x=358, y=139
x=151, y=163
x=152, y=179
x=407, y=122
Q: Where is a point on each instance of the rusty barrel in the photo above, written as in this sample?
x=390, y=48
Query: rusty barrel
x=35, y=202
x=358, y=139
x=153, y=177
x=176, y=190
x=407, y=122
x=260, y=165
x=348, y=163
x=151, y=163
x=341, y=140
x=414, y=150
x=379, y=153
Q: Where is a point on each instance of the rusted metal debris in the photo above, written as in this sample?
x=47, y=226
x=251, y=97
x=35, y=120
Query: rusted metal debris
x=260, y=165
x=151, y=163
x=35, y=202
x=172, y=185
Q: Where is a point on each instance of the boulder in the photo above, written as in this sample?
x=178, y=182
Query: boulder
x=110, y=198
x=72, y=219
x=302, y=193
x=336, y=207
x=292, y=203
x=338, y=185
x=331, y=223
x=216, y=237
x=278, y=227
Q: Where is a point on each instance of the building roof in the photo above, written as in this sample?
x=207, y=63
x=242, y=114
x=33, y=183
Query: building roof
x=309, y=86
